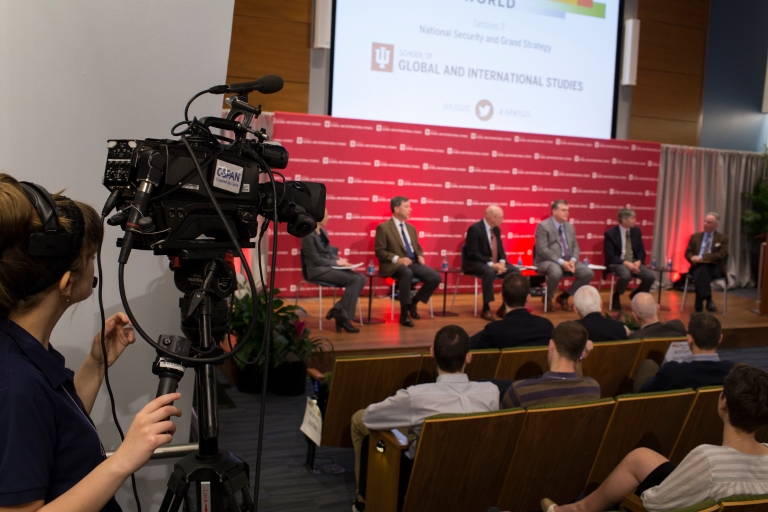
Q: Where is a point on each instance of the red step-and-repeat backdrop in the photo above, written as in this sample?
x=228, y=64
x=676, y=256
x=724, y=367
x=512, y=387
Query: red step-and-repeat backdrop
x=451, y=175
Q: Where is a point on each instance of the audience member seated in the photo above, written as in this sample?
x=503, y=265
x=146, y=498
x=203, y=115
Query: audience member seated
x=646, y=313
x=589, y=305
x=739, y=466
x=518, y=327
x=562, y=383
x=702, y=368
x=452, y=393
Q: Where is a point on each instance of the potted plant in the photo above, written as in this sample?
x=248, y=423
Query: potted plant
x=754, y=221
x=292, y=343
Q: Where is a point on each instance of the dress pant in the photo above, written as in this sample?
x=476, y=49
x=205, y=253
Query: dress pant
x=488, y=276
x=404, y=276
x=703, y=274
x=554, y=272
x=353, y=284
x=625, y=276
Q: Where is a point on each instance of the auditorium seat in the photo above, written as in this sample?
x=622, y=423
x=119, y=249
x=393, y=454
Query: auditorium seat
x=554, y=454
x=739, y=503
x=610, y=364
x=320, y=285
x=482, y=367
x=633, y=503
x=522, y=363
x=647, y=420
x=654, y=349
x=357, y=382
x=702, y=426
x=460, y=464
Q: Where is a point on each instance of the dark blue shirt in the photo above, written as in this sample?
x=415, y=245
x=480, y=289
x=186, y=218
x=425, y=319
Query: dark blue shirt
x=693, y=374
x=47, y=441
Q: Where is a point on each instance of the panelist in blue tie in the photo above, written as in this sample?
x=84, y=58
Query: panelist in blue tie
x=707, y=252
x=557, y=251
x=400, y=257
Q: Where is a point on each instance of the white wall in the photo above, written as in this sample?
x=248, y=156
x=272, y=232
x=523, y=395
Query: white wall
x=72, y=75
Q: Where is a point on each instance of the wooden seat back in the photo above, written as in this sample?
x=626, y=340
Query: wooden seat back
x=359, y=382
x=610, y=364
x=745, y=504
x=554, y=453
x=482, y=367
x=648, y=420
x=522, y=363
x=461, y=461
x=702, y=426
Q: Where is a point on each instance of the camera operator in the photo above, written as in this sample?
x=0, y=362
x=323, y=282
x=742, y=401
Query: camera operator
x=51, y=458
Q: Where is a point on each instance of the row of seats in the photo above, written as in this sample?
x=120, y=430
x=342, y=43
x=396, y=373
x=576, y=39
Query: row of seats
x=512, y=458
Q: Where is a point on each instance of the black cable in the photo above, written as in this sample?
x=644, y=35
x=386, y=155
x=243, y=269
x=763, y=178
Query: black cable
x=186, y=109
x=104, y=357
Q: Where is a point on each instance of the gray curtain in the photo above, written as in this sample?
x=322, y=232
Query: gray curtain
x=692, y=182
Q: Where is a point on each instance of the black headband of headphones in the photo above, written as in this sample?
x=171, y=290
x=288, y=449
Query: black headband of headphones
x=60, y=246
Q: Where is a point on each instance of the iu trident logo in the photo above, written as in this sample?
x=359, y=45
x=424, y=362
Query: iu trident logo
x=381, y=57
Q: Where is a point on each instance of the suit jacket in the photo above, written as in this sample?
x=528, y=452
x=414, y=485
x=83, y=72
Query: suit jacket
x=612, y=246
x=318, y=256
x=603, y=329
x=548, y=246
x=389, y=243
x=671, y=329
x=719, y=249
x=518, y=328
x=478, y=248
x=693, y=374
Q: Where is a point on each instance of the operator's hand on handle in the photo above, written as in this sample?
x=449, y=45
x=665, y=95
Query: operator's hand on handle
x=150, y=429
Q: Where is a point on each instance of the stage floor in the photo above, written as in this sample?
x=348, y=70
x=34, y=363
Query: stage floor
x=741, y=327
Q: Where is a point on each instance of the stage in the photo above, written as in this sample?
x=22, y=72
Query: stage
x=741, y=327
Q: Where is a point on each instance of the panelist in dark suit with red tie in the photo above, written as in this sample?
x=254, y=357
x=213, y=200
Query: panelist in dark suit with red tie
x=400, y=256
x=625, y=256
x=485, y=257
x=707, y=252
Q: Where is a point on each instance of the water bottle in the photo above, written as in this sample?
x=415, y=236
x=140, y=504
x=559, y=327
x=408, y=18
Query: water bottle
x=669, y=265
x=371, y=268
x=586, y=261
x=445, y=264
x=519, y=261
x=653, y=262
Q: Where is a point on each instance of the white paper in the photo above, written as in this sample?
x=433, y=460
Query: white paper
x=312, y=426
x=678, y=351
x=596, y=267
x=350, y=267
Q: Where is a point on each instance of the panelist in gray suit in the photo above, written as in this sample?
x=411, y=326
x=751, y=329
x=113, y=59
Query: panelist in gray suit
x=319, y=257
x=557, y=251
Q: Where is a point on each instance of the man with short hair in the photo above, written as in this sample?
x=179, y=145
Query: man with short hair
x=646, y=313
x=562, y=383
x=485, y=257
x=452, y=393
x=589, y=305
x=702, y=368
x=557, y=251
x=707, y=252
x=625, y=257
x=400, y=256
x=518, y=327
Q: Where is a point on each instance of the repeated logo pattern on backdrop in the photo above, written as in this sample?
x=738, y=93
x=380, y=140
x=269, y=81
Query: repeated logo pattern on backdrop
x=451, y=175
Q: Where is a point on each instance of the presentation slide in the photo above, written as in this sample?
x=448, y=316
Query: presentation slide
x=536, y=66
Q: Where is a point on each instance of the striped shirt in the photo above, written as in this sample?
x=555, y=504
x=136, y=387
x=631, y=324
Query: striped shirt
x=709, y=472
x=551, y=388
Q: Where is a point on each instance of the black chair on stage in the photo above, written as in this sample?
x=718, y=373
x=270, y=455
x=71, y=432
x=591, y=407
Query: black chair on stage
x=689, y=279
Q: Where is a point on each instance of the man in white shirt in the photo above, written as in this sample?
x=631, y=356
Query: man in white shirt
x=452, y=393
x=625, y=257
x=401, y=257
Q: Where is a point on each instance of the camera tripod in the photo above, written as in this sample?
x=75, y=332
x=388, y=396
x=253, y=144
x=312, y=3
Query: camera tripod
x=206, y=280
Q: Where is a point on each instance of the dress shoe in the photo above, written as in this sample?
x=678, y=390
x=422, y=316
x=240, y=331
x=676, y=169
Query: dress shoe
x=501, y=311
x=550, y=307
x=616, y=302
x=634, y=292
x=343, y=322
x=358, y=506
x=547, y=505
x=698, y=306
x=711, y=307
x=413, y=312
x=332, y=313
x=405, y=320
x=562, y=300
x=487, y=315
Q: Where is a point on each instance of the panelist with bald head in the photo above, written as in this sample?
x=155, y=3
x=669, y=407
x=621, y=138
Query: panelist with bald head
x=484, y=256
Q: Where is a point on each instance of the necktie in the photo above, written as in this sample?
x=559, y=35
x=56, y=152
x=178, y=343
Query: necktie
x=628, y=254
x=408, y=249
x=564, y=245
x=708, y=250
x=494, y=248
